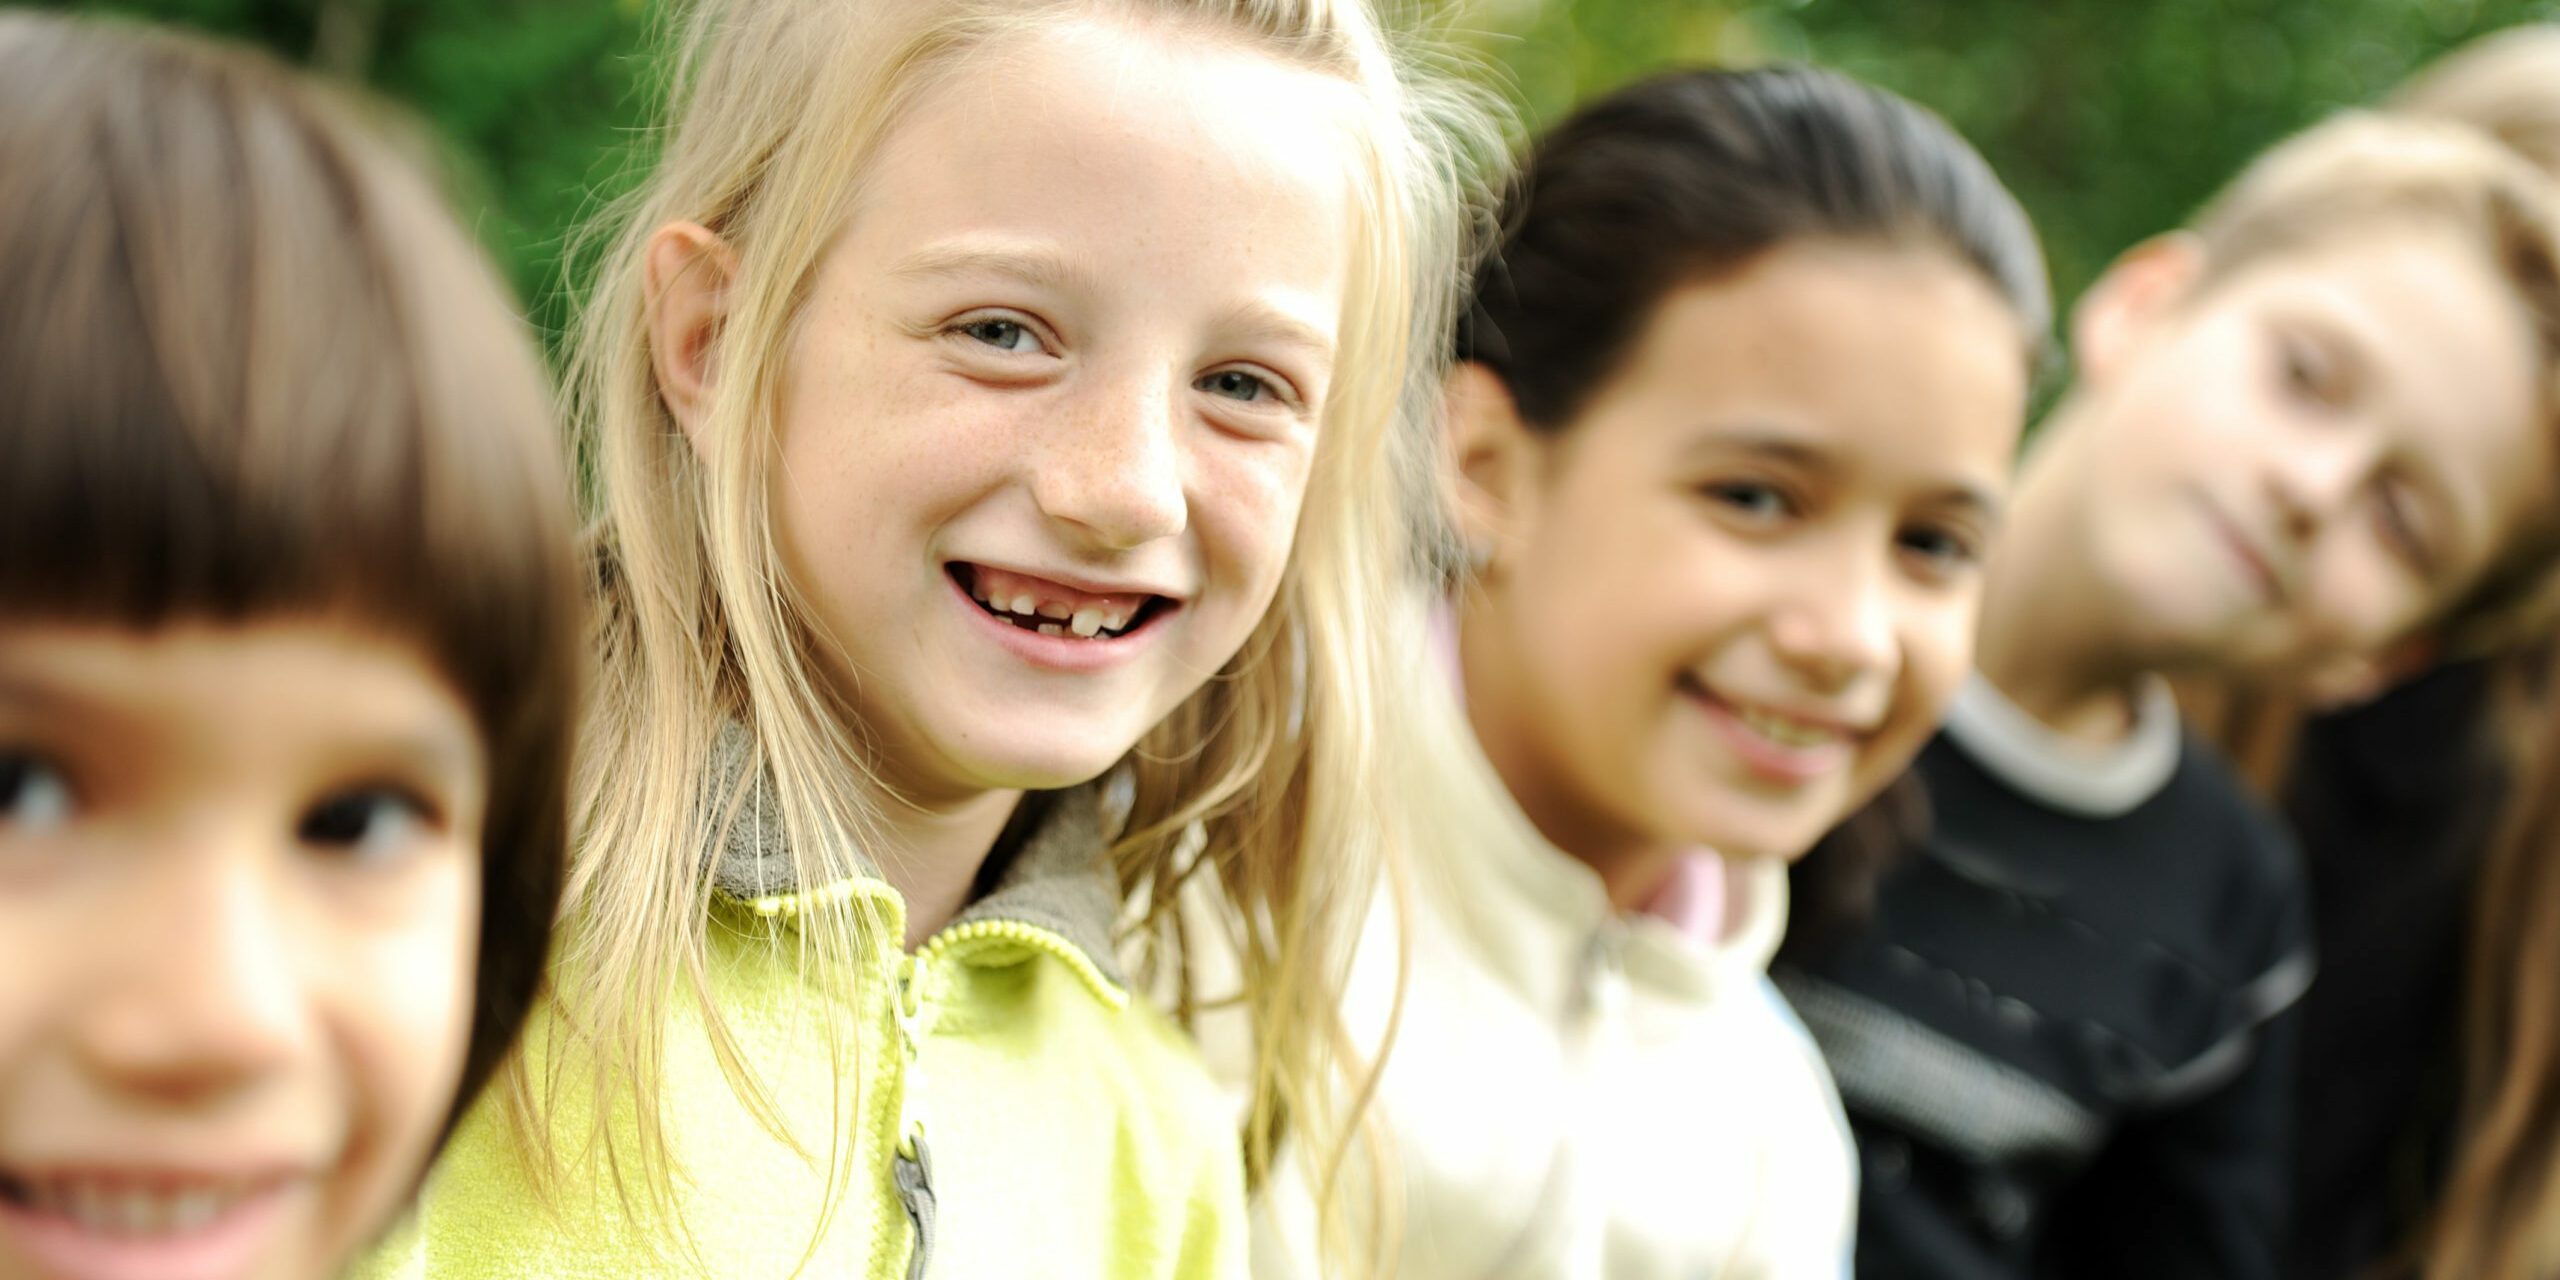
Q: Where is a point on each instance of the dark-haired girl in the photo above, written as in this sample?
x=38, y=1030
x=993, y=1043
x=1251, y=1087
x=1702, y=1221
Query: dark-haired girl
x=1732, y=426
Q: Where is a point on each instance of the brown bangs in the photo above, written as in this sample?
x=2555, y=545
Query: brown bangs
x=248, y=366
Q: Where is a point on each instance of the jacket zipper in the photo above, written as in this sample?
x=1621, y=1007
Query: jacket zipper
x=911, y=1166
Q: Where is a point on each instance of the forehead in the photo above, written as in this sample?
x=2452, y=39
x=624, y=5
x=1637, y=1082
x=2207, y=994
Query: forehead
x=237, y=695
x=1900, y=358
x=1151, y=146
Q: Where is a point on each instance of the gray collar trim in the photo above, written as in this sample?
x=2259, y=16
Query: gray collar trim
x=1057, y=880
x=2064, y=773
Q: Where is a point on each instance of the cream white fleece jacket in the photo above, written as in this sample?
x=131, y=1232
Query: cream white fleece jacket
x=1583, y=1094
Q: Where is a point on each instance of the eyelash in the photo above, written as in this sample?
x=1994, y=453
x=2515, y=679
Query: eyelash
x=1263, y=387
x=1736, y=495
x=21, y=774
x=2400, y=530
x=1956, y=550
x=968, y=326
x=364, y=804
x=2303, y=369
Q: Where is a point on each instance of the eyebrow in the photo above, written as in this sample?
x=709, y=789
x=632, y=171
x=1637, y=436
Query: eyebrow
x=1041, y=268
x=1780, y=445
x=373, y=747
x=1262, y=321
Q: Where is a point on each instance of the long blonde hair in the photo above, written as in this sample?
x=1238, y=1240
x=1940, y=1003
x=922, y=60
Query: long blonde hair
x=1266, y=777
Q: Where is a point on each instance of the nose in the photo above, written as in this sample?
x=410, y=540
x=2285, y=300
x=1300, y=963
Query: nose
x=2314, y=476
x=206, y=1000
x=1114, y=471
x=1835, y=623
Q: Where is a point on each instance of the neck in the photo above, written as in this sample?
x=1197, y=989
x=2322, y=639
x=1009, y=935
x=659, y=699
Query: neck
x=933, y=850
x=2046, y=640
x=1631, y=863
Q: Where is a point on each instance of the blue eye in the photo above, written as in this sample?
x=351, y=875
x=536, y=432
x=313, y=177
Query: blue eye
x=34, y=795
x=1003, y=335
x=1236, y=384
x=368, y=822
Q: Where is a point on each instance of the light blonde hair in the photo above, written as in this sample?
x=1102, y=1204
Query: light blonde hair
x=2364, y=171
x=1266, y=779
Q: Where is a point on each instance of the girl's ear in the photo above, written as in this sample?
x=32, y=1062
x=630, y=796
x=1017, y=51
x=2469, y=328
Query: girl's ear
x=687, y=272
x=2115, y=314
x=1493, y=460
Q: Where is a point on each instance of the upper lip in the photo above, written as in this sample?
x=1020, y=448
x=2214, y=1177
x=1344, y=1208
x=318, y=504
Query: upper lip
x=2252, y=551
x=1833, y=721
x=1077, y=582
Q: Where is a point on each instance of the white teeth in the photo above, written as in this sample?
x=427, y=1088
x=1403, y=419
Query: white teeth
x=1783, y=730
x=979, y=589
x=134, y=1212
x=1024, y=605
x=193, y=1210
x=1086, y=622
x=1052, y=629
x=87, y=1205
x=1053, y=609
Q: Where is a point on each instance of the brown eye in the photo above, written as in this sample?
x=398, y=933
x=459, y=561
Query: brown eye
x=1750, y=499
x=369, y=822
x=34, y=795
x=1944, y=552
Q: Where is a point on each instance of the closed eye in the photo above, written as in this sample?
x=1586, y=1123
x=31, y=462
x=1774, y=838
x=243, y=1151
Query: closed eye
x=2396, y=510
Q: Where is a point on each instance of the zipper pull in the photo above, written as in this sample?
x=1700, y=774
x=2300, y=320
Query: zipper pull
x=911, y=1167
x=913, y=1172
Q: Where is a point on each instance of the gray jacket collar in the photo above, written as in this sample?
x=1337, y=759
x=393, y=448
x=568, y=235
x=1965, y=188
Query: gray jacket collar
x=1056, y=879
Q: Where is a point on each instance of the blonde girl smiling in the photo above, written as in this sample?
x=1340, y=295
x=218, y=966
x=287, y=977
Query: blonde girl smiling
x=982, y=400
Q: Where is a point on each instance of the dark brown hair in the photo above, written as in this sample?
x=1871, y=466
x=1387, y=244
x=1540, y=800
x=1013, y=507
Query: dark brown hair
x=1690, y=176
x=251, y=367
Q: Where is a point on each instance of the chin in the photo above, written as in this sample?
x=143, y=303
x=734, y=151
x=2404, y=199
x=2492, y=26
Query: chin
x=1043, y=769
x=1763, y=832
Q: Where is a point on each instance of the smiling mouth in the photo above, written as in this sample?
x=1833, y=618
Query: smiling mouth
x=1051, y=609
x=1801, y=742
x=2261, y=573
x=133, y=1208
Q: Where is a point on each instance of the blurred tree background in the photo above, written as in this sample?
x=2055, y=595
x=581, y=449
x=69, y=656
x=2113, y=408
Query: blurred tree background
x=2111, y=120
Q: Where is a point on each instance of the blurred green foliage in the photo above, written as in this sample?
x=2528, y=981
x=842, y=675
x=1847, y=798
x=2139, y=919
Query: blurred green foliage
x=2111, y=120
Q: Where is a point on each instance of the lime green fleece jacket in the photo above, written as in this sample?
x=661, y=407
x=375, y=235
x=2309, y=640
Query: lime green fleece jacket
x=1002, y=1108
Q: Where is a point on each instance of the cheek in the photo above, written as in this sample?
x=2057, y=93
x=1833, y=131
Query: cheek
x=401, y=997
x=1245, y=506
x=1937, y=653
x=2358, y=600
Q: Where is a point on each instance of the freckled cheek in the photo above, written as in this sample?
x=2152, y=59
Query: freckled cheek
x=1245, y=505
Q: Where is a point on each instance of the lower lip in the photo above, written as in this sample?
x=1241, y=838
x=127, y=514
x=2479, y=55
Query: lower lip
x=223, y=1248
x=1768, y=761
x=1067, y=653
